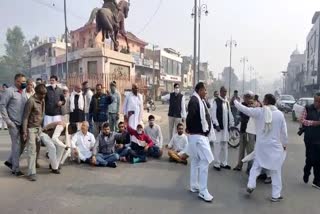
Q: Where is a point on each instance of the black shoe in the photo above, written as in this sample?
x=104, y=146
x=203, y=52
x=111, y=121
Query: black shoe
x=50, y=167
x=268, y=180
x=276, y=199
x=19, y=174
x=262, y=177
x=250, y=190
x=237, y=168
x=32, y=177
x=55, y=171
x=38, y=166
x=8, y=164
x=226, y=167
x=217, y=168
x=316, y=185
x=47, y=155
x=112, y=165
x=305, y=178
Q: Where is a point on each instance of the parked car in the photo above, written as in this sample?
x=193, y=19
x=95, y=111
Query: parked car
x=285, y=103
x=298, y=107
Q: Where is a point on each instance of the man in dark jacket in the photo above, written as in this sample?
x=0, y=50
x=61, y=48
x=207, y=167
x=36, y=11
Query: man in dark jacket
x=54, y=100
x=98, y=110
x=199, y=128
x=310, y=120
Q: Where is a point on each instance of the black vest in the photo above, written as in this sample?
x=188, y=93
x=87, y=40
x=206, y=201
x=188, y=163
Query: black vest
x=220, y=113
x=312, y=133
x=175, y=105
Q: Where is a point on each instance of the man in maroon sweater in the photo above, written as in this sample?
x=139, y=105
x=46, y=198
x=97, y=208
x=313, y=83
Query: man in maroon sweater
x=140, y=143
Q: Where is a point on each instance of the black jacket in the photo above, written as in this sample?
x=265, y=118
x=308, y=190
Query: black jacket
x=52, y=98
x=193, y=121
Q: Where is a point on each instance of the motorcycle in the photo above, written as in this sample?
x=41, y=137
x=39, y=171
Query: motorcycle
x=151, y=105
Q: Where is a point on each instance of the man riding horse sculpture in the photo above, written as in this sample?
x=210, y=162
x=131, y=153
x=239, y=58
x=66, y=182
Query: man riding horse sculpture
x=110, y=21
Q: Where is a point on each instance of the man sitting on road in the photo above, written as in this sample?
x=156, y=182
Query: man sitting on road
x=82, y=144
x=178, y=145
x=123, y=142
x=104, y=149
x=154, y=132
x=140, y=144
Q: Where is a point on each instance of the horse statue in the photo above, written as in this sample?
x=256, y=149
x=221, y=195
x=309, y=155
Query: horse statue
x=110, y=20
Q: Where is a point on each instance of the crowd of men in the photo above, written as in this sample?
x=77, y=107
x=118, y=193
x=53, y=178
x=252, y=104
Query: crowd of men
x=83, y=126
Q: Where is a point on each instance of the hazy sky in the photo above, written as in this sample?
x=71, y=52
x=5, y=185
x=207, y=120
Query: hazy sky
x=267, y=31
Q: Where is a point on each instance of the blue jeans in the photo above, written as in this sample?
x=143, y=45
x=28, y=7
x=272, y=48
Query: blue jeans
x=113, y=121
x=123, y=152
x=154, y=152
x=103, y=160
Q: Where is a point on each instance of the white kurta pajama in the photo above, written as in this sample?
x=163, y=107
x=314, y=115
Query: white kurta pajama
x=134, y=104
x=222, y=137
x=269, y=148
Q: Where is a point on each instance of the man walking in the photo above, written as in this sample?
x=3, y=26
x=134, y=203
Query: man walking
x=11, y=106
x=54, y=101
x=99, y=108
x=222, y=121
x=199, y=127
x=271, y=144
x=114, y=108
x=133, y=107
x=177, y=109
x=32, y=121
x=310, y=120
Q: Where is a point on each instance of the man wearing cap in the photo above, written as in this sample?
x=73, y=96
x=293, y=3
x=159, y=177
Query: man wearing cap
x=177, y=109
x=114, y=108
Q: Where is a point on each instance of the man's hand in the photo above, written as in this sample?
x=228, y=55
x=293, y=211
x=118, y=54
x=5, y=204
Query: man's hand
x=218, y=129
x=119, y=146
x=93, y=160
x=67, y=148
x=316, y=123
x=284, y=148
x=75, y=152
x=166, y=146
x=24, y=136
x=146, y=148
x=11, y=124
x=59, y=103
x=182, y=120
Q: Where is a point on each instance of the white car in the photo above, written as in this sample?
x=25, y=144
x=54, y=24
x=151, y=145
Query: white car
x=298, y=107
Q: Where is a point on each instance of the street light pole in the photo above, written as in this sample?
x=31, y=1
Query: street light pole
x=195, y=42
x=230, y=43
x=66, y=39
x=202, y=8
x=243, y=60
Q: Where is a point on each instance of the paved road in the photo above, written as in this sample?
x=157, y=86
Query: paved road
x=156, y=187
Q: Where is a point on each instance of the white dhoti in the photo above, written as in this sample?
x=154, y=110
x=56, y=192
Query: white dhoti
x=201, y=156
x=221, y=148
x=51, y=119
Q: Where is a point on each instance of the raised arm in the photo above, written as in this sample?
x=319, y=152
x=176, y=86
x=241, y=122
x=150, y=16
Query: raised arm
x=251, y=112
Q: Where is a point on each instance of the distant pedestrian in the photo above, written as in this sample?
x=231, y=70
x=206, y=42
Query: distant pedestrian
x=32, y=122
x=54, y=102
x=114, y=108
x=77, y=105
x=11, y=106
x=133, y=107
x=99, y=108
x=177, y=109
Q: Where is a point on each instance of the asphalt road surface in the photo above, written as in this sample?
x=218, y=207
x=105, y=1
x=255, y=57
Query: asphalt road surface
x=155, y=187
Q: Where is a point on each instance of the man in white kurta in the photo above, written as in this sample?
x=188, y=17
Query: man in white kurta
x=222, y=120
x=271, y=143
x=133, y=105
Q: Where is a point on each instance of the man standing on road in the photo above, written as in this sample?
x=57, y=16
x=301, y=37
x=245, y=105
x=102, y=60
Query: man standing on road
x=177, y=109
x=271, y=144
x=199, y=127
x=54, y=101
x=133, y=107
x=310, y=120
x=114, y=108
x=77, y=103
x=222, y=121
x=11, y=106
x=99, y=108
x=32, y=121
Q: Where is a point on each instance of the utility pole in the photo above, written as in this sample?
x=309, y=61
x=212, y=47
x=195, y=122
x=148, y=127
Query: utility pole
x=154, y=72
x=230, y=43
x=195, y=42
x=243, y=60
x=66, y=39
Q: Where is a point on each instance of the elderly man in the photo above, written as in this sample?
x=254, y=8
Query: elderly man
x=177, y=109
x=82, y=144
x=32, y=121
x=199, y=128
x=222, y=119
x=77, y=105
x=133, y=107
x=271, y=144
x=11, y=106
x=54, y=101
x=29, y=91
